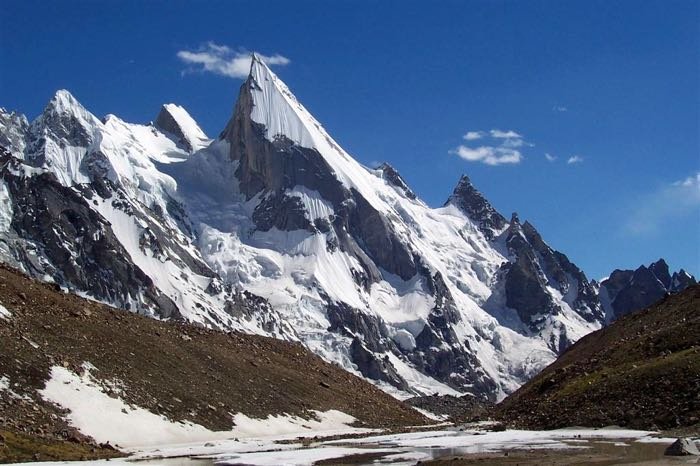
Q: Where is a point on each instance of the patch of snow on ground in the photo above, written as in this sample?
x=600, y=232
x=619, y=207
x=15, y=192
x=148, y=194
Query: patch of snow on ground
x=6, y=386
x=331, y=422
x=433, y=416
x=108, y=419
x=4, y=313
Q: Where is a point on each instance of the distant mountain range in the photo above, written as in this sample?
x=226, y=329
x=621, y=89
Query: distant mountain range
x=626, y=291
x=273, y=229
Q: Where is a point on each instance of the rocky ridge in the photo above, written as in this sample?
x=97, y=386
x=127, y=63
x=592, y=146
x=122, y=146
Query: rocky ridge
x=627, y=291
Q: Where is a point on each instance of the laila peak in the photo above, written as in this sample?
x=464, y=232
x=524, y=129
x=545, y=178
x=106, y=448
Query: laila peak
x=273, y=229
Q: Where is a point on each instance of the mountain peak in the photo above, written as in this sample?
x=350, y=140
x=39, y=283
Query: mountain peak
x=276, y=108
x=67, y=120
x=267, y=112
x=464, y=181
x=65, y=98
x=470, y=201
x=64, y=104
x=661, y=271
x=255, y=58
x=177, y=122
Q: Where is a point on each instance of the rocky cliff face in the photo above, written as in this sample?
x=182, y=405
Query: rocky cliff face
x=273, y=228
x=627, y=291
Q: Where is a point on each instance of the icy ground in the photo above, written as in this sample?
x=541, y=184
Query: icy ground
x=395, y=449
x=277, y=440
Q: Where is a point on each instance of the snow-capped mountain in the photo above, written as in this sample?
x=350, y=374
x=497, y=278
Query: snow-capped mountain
x=626, y=291
x=273, y=228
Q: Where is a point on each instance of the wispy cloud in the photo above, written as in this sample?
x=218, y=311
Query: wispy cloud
x=574, y=159
x=559, y=108
x=550, y=157
x=664, y=206
x=224, y=61
x=502, y=147
x=499, y=134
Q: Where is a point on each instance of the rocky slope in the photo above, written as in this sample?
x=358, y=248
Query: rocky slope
x=274, y=229
x=643, y=371
x=627, y=291
x=180, y=371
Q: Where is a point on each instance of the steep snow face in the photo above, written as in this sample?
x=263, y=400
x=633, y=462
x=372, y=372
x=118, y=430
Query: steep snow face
x=275, y=229
x=276, y=108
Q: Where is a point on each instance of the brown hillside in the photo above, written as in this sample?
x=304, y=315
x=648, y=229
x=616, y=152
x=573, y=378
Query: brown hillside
x=181, y=371
x=643, y=371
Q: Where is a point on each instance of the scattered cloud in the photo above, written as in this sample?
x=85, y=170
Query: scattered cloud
x=510, y=134
x=501, y=147
x=574, y=159
x=559, y=108
x=661, y=208
x=223, y=60
x=550, y=157
x=473, y=135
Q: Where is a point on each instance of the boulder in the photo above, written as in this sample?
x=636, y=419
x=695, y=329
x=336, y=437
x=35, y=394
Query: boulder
x=682, y=447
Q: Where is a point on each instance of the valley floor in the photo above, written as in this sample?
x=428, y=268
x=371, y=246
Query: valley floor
x=435, y=447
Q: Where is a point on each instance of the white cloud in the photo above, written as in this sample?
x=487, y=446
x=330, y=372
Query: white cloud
x=550, y=157
x=510, y=134
x=502, y=149
x=574, y=159
x=661, y=208
x=514, y=142
x=224, y=61
x=489, y=155
x=692, y=182
x=473, y=135
x=559, y=108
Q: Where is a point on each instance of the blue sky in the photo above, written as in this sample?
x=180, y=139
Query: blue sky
x=612, y=87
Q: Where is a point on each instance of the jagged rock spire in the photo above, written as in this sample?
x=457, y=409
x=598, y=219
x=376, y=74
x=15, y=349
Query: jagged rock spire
x=468, y=199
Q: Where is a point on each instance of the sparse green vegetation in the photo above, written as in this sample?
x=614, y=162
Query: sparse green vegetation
x=16, y=447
